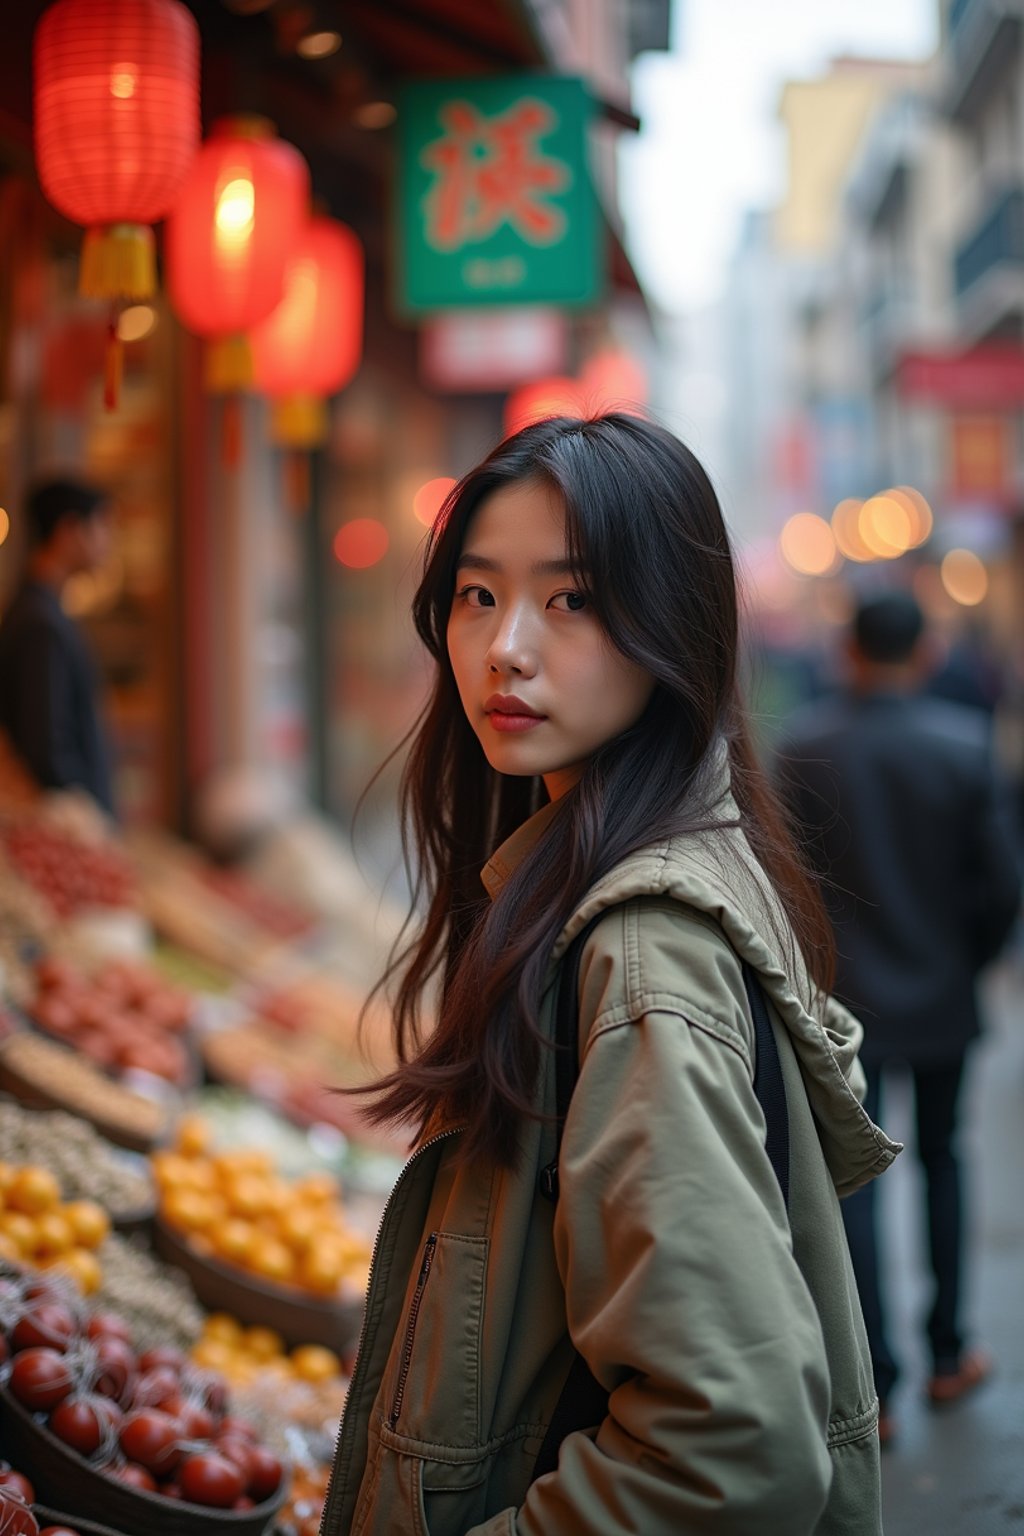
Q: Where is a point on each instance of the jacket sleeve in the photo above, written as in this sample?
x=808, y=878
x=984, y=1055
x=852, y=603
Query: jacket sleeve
x=685, y=1300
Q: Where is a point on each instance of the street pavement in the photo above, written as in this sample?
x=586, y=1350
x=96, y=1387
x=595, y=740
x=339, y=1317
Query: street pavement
x=959, y=1471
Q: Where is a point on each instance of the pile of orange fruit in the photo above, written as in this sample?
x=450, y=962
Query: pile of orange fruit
x=233, y=1206
x=38, y=1229
x=241, y=1354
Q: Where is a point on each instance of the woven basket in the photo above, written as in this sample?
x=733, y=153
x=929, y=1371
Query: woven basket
x=298, y=1318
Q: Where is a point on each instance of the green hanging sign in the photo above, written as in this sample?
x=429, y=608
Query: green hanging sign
x=494, y=199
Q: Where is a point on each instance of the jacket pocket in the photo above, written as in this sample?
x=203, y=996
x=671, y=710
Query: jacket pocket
x=433, y=1394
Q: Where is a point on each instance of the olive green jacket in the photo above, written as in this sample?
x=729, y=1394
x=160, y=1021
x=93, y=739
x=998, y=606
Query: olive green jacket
x=729, y=1337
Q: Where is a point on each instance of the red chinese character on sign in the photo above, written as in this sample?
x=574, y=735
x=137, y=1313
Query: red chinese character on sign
x=491, y=171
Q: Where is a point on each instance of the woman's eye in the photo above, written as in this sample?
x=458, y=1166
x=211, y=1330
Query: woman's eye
x=476, y=597
x=569, y=602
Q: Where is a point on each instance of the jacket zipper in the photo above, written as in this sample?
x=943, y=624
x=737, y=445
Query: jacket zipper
x=328, y=1523
x=410, y=1331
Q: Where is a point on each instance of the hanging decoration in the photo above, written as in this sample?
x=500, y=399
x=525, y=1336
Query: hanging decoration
x=229, y=239
x=311, y=344
x=116, y=125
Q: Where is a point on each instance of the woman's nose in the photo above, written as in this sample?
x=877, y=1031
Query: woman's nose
x=512, y=649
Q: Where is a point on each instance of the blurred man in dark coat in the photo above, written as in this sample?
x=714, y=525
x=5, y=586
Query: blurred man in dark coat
x=49, y=689
x=896, y=802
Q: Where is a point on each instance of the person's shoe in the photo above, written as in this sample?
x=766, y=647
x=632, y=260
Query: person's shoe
x=886, y=1427
x=975, y=1366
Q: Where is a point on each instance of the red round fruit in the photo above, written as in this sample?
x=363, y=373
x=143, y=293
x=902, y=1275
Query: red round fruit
x=107, y=1325
x=265, y=1472
x=16, y=1519
x=210, y=1479
x=214, y=1391
x=46, y=1323
x=163, y=1355
x=237, y=1451
x=244, y=1503
x=156, y=1388
x=79, y=1424
x=134, y=1477
x=150, y=1438
x=17, y=1482
x=232, y=1425
x=57, y=1530
x=40, y=1378
x=197, y=1422
x=115, y=1369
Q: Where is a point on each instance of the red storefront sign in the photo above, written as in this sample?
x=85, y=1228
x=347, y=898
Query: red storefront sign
x=980, y=457
x=991, y=375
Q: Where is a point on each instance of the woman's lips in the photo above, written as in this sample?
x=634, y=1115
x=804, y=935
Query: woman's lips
x=507, y=723
x=508, y=713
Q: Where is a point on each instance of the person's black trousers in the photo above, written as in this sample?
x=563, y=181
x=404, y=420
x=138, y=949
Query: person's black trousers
x=936, y=1101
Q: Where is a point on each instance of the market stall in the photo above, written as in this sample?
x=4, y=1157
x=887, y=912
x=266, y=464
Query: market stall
x=186, y=1208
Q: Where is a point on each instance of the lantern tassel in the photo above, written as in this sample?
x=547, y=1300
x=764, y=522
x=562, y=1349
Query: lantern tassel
x=118, y=262
x=227, y=365
x=113, y=366
x=299, y=421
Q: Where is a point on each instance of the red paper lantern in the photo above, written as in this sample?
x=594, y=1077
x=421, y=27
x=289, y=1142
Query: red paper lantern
x=229, y=237
x=116, y=127
x=310, y=346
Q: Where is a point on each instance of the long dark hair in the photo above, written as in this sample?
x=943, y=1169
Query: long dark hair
x=645, y=536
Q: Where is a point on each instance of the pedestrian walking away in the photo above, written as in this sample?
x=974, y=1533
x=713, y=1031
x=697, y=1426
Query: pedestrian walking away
x=898, y=799
x=611, y=1289
x=49, y=689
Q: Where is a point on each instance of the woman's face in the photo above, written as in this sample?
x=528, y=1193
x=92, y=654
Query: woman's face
x=541, y=683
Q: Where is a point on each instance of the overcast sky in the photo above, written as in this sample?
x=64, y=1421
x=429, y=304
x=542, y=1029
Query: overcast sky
x=711, y=145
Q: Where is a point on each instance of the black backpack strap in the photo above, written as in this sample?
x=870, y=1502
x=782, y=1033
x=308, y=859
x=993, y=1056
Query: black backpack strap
x=768, y=1082
x=583, y=1402
x=567, y=1047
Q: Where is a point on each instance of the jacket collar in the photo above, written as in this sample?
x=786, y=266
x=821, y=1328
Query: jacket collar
x=514, y=849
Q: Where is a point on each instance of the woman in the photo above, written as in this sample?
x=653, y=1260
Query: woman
x=579, y=599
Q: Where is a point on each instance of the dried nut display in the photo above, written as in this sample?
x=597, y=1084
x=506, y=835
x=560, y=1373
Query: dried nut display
x=158, y=1302
x=86, y=1166
x=53, y=1071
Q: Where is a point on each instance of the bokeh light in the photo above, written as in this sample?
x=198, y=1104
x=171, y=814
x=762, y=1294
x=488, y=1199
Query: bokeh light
x=539, y=401
x=885, y=526
x=135, y=322
x=5, y=525
x=807, y=544
x=964, y=577
x=318, y=45
x=361, y=543
x=846, y=530
x=374, y=114
x=918, y=511
x=613, y=380
x=430, y=498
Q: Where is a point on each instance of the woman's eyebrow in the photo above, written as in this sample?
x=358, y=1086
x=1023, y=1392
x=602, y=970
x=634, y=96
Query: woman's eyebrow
x=471, y=562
